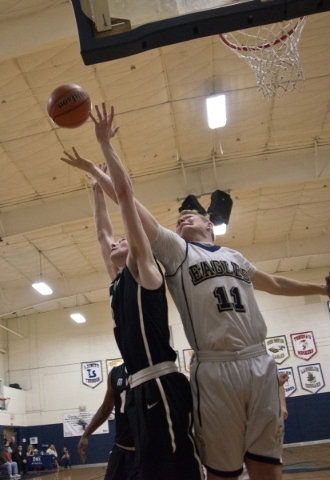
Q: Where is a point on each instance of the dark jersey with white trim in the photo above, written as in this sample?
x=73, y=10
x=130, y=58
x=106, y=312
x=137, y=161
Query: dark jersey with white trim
x=140, y=323
x=120, y=386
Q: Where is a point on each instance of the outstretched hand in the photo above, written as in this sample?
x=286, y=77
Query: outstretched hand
x=104, y=130
x=77, y=161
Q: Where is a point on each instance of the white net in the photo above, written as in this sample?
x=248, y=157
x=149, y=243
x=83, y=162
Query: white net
x=272, y=53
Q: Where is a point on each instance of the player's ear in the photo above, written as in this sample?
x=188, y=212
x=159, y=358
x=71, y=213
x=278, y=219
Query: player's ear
x=209, y=226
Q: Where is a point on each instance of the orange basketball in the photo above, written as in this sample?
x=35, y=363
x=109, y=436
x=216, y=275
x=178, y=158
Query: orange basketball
x=69, y=106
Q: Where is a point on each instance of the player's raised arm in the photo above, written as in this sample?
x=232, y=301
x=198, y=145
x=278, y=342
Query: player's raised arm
x=104, y=132
x=98, y=419
x=140, y=259
x=98, y=181
x=278, y=285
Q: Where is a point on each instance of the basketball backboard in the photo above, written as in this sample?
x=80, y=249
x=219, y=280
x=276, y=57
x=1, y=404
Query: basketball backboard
x=110, y=29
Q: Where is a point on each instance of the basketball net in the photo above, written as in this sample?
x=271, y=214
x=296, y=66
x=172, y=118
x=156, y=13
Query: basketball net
x=272, y=53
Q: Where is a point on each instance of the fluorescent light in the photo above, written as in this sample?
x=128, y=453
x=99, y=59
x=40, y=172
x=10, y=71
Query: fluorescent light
x=216, y=111
x=220, y=229
x=42, y=288
x=77, y=317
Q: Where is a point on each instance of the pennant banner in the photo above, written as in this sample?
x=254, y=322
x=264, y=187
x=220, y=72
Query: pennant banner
x=311, y=377
x=277, y=347
x=113, y=362
x=304, y=345
x=92, y=374
x=290, y=385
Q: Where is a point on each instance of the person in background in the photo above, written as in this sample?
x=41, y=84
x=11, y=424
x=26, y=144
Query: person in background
x=12, y=445
x=66, y=461
x=52, y=451
x=6, y=463
x=20, y=458
x=30, y=450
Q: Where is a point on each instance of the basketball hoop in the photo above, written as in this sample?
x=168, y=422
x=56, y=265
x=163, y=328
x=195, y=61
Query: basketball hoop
x=272, y=53
x=4, y=403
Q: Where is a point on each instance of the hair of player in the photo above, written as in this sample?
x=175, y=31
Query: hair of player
x=205, y=218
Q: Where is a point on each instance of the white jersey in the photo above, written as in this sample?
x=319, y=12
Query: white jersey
x=212, y=290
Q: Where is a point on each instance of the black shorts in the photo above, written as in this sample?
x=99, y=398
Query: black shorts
x=121, y=465
x=160, y=417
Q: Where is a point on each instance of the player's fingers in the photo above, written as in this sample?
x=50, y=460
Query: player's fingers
x=98, y=112
x=104, y=108
x=92, y=117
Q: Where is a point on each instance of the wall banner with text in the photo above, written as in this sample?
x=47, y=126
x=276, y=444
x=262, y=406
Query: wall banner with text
x=74, y=424
x=311, y=377
x=290, y=385
x=92, y=374
x=277, y=347
x=113, y=362
x=304, y=345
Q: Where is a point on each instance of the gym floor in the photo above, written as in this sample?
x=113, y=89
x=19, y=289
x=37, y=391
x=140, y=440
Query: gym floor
x=305, y=462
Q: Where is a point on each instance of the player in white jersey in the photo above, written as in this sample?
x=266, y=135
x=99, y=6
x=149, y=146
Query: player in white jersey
x=234, y=381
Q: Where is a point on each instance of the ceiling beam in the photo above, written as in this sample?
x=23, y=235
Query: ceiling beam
x=232, y=175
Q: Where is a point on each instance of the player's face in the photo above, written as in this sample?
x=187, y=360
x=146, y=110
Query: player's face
x=119, y=251
x=192, y=228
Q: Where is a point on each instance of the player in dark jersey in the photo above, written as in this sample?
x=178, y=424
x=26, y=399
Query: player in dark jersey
x=159, y=404
x=121, y=464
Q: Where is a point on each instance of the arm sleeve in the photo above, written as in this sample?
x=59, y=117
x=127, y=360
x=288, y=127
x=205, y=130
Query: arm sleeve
x=251, y=269
x=169, y=248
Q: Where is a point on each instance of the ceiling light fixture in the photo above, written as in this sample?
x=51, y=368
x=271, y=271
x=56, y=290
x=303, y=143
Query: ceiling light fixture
x=216, y=111
x=41, y=286
x=77, y=317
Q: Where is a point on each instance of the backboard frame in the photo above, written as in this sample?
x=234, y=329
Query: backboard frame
x=187, y=27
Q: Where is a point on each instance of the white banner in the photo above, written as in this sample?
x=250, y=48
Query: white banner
x=277, y=347
x=311, y=377
x=92, y=374
x=74, y=424
x=290, y=384
x=304, y=345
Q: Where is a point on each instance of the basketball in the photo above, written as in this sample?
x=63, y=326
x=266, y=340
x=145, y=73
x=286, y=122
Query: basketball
x=69, y=106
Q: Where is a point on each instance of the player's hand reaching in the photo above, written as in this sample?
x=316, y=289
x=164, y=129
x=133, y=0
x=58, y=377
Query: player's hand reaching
x=77, y=161
x=104, y=129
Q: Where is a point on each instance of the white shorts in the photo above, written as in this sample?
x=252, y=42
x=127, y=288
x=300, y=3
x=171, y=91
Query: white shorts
x=237, y=411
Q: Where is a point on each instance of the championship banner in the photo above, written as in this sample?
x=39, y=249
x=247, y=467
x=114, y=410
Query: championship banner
x=92, y=374
x=187, y=354
x=113, y=362
x=290, y=385
x=277, y=347
x=74, y=424
x=311, y=377
x=303, y=345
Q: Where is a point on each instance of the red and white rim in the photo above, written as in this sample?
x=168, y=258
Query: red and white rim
x=246, y=48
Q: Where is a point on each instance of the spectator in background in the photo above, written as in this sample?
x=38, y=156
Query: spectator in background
x=66, y=460
x=52, y=451
x=30, y=450
x=6, y=463
x=20, y=458
x=13, y=445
